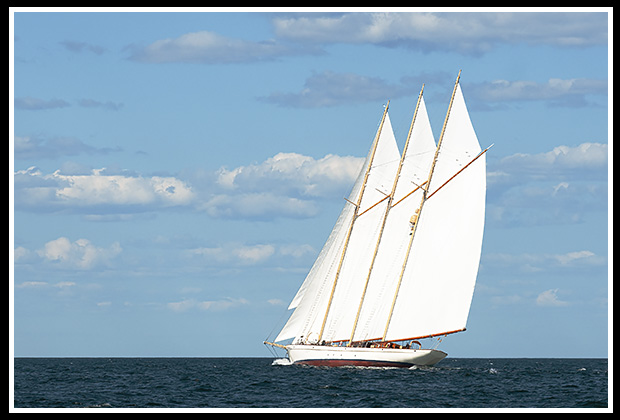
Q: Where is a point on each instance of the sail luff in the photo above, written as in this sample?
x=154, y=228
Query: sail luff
x=355, y=215
x=390, y=198
x=419, y=211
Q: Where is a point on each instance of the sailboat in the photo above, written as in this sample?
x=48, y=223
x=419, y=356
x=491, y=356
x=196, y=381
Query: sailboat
x=401, y=262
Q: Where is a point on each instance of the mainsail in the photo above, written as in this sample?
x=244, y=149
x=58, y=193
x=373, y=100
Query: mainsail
x=401, y=261
x=440, y=273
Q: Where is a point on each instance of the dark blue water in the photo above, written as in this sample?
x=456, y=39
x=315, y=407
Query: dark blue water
x=255, y=382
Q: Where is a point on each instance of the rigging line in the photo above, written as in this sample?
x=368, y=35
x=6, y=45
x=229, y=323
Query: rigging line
x=385, y=215
x=355, y=215
x=417, y=188
x=419, y=213
x=459, y=171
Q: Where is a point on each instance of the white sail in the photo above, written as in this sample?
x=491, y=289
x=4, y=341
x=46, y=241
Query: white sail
x=315, y=290
x=313, y=298
x=363, y=238
x=417, y=160
x=440, y=275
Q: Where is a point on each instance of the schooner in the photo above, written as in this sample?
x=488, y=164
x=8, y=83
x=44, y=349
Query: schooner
x=401, y=261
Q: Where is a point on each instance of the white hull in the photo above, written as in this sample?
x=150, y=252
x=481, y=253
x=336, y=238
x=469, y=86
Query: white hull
x=360, y=356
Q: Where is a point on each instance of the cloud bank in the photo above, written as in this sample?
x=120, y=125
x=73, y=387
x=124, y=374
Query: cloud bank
x=303, y=34
x=465, y=33
x=285, y=185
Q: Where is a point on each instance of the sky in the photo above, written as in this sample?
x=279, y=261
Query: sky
x=174, y=174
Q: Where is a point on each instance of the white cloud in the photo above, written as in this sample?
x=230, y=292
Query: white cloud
x=182, y=306
x=285, y=185
x=222, y=305
x=80, y=254
x=562, y=159
x=460, y=32
x=297, y=251
x=242, y=254
x=576, y=257
x=57, y=190
x=209, y=305
x=32, y=284
x=276, y=302
x=559, y=186
x=210, y=48
x=550, y=298
x=294, y=173
x=64, y=284
x=117, y=189
x=540, y=262
x=257, y=206
x=21, y=254
x=254, y=254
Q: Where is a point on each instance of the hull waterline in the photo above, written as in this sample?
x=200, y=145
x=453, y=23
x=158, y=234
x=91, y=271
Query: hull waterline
x=357, y=356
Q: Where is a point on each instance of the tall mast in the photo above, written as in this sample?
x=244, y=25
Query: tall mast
x=385, y=215
x=419, y=211
x=355, y=215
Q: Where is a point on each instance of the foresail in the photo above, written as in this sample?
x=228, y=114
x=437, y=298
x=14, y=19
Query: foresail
x=317, y=283
x=313, y=298
x=440, y=275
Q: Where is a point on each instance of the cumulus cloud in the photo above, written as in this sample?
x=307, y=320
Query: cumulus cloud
x=80, y=254
x=550, y=298
x=285, y=185
x=293, y=173
x=58, y=190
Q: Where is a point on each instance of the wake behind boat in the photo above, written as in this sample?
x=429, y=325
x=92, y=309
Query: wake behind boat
x=401, y=262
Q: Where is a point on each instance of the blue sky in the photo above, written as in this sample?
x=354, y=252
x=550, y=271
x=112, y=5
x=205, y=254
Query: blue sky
x=174, y=175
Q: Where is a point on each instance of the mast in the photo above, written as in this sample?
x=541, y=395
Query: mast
x=418, y=212
x=385, y=215
x=355, y=216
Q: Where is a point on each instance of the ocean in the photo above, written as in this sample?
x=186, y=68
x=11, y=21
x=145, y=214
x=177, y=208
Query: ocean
x=265, y=383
